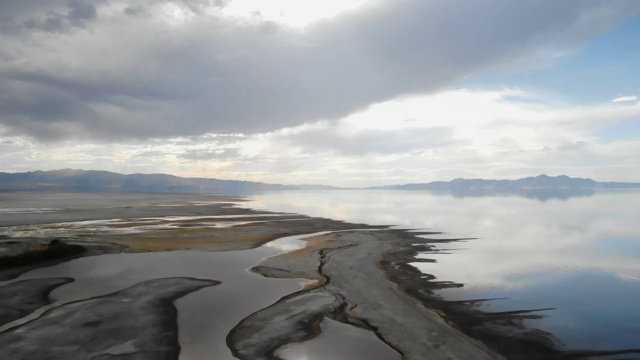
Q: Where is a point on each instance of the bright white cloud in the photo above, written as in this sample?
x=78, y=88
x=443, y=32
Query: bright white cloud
x=290, y=12
x=625, y=99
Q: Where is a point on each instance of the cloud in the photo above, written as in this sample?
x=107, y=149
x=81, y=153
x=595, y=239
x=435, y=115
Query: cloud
x=211, y=154
x=53, y=16
x=358, y=142
x=625, y=99
x=411, y=139
x=118, y=70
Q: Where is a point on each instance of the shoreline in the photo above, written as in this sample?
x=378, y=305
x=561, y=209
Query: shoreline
x=354, y=292
x=352, y=272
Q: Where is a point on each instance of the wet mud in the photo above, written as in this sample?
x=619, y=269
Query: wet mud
x=21, y=298
x=136, y=323
x=356, y=275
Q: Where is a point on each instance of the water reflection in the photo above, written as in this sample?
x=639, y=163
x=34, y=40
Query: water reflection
x=330, y=345
x=580, y=255
x=205, y=316
x=538, y=194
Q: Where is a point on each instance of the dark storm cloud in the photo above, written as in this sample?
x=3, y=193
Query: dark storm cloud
x=50, y=16
x=88, y=69
x=81, y=11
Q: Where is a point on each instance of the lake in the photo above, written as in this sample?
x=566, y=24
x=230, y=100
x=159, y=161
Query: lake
x=577, y=255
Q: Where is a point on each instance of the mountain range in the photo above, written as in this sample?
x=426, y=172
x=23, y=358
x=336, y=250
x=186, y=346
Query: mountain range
x=105, y=181
x=541, y=187
x=531, y=183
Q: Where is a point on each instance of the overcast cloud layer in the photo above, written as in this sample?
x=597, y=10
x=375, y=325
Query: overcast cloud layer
x=370, y=96
x=110, y=69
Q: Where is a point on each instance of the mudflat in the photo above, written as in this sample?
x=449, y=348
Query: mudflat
x=207, y=278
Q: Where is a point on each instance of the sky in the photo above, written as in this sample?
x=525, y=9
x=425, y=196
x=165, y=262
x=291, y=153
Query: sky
x=345, y=93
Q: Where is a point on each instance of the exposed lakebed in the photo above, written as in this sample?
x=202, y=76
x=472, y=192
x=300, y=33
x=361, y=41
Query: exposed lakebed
x=577, y=257
x=235, y=282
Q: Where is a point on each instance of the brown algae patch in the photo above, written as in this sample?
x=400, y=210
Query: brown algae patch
x=242, y=236
x=196, y=243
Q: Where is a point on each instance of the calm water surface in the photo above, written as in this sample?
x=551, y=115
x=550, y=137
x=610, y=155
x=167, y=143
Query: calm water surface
x=206, y=316
x=580, y=255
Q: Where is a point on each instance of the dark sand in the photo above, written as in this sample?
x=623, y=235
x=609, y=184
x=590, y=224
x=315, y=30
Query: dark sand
x=136, y=323
x=355, y=291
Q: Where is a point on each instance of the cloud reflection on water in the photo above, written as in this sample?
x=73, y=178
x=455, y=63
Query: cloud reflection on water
x=537, y=253
x=514, y=235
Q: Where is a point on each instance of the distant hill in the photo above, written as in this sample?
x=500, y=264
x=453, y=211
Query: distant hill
x=542, y=186
x=105, y=181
